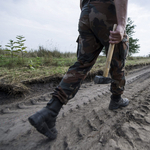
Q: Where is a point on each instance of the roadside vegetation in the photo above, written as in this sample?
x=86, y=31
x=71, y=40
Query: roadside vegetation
x=42, y=64
x=19, y=67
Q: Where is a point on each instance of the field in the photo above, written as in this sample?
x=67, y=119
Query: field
x=42, y=66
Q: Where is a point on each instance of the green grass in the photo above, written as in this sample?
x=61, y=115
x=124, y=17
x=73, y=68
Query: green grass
x=137, y=61
x=44, y=63
x=58, y=67
x=11, y=76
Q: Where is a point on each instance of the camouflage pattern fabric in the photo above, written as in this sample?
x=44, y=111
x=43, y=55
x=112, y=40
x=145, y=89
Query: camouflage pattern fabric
x=96, y=20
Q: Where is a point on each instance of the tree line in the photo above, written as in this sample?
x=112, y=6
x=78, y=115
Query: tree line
x=15, y=47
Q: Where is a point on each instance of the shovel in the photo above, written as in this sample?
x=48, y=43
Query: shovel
x=105, y=79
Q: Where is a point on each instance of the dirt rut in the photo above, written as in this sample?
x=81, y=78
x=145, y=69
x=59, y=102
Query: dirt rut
x=85, y=123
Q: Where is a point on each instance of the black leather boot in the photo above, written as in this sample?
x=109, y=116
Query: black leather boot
x=45, y=119
x=117, y=101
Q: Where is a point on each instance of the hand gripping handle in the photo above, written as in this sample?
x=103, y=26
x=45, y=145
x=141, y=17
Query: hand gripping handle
x=109, y=56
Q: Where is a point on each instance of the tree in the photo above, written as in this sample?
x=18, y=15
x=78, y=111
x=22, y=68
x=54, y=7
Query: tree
x=133, y=46
x=11, y=49
x=20, y=46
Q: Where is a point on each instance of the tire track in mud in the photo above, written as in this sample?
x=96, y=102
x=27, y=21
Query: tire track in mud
x=85, y=122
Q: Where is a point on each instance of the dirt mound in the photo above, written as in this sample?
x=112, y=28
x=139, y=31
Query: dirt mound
x=20, y=89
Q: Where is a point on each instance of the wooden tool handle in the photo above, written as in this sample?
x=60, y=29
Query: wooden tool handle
x=109, y=56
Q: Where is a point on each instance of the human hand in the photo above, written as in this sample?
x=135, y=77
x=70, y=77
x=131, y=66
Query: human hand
x=117, y=35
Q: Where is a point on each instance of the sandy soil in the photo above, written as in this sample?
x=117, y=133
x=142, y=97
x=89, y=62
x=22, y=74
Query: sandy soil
x=85, y=123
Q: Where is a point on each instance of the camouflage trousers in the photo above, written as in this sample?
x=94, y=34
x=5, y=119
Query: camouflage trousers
x=96, y=20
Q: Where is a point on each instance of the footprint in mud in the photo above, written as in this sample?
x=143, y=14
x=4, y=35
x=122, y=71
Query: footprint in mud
x=23, y=106
x=134, y=132
x=92, y=126
x=97, y=119
x=103, y=139
x=79, y=134
x=147, y=118
x=124, y=132
x=136, y=116
x=86, y=126
x=7, y=111
x=7, y=131
x=146, y=103
x=112, y=145
x=145, y=109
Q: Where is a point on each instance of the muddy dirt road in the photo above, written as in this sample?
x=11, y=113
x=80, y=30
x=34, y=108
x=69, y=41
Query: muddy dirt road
x=85, y=123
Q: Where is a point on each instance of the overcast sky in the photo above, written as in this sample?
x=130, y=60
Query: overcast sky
x=53, y=24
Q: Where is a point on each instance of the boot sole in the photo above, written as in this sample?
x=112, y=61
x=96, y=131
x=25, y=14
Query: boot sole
x=43, y=129
x=118, y=106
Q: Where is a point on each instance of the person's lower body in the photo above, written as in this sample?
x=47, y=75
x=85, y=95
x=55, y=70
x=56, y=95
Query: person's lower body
x=96, y=20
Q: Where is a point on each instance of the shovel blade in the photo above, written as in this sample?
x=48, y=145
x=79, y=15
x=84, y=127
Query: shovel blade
x=102, y=80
